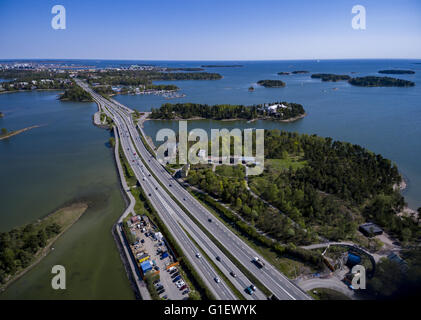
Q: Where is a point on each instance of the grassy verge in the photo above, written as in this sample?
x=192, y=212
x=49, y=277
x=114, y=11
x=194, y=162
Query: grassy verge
x=220, y=273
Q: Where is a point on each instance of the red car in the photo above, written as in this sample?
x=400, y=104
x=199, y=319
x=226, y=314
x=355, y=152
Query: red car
x=183, y=287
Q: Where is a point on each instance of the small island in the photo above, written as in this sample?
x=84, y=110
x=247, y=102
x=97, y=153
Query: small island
x=330, y=77
x=271, y=83
x=284, y=73
x=5, y=134
x=282, y=111
x=300, y=72
x=77, y=94
x=371, y=81
x=251, y=88
x=397, y=72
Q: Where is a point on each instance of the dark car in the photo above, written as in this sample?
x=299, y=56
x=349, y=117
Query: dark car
x=160, y=288
x=218, y=258
x=210, y=220
x=177, y=278
x=183, y=287
x=175, y=275
x=186, y=291
x=161, y=291
x=232, y=273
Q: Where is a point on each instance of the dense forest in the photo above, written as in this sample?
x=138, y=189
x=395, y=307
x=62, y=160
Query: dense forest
x=330, y=77
x=331, y=188
x=226, y=111
x=372, y=81
x=18, y=247
x=271, y=83
x=77, y=94
x=397, y=71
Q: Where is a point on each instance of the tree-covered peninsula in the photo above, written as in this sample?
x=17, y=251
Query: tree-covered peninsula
x=372, y=81
x=271, y=83
x=311, y=187
x=330, y=77
x=277, y=111
x=395, y=71
x=77, y=94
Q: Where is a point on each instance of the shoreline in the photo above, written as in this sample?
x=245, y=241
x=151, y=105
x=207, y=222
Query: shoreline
x=234, y=119
x=42, y=253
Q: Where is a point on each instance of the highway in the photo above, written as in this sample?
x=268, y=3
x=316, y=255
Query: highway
x=173, y=216
x=274, y=280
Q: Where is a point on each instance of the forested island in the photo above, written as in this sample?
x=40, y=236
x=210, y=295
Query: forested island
x=317, y=187
x=371, y=81
x=330, y=77
x=24, y=246
x=394, y=71
x=300, y=72
x=284, y=73
x=77, y=94
x=271, y=83
x=275, y=111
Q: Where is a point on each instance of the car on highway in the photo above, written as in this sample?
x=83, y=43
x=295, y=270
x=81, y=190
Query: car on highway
x=232, y=273
x=218, y=258
x=217, y=280
x=253, y=287
x=210, y=220
x=198, y=255
x=249, y=291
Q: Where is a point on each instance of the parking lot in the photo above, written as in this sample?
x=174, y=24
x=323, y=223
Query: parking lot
x=151, y=250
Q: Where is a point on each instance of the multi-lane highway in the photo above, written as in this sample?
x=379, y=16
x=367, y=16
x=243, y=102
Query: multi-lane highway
x=174, y=217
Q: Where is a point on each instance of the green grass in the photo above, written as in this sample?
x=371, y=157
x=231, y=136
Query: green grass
x=276, y=166
x=237, y=171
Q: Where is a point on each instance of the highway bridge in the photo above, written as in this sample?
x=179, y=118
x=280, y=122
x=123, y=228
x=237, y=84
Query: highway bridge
x=162, y=194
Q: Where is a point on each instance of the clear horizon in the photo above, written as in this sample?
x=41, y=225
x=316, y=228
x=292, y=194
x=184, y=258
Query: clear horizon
x=232, y=30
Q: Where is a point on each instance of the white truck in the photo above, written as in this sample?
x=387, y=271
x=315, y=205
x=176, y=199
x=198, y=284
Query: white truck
x=258, y=262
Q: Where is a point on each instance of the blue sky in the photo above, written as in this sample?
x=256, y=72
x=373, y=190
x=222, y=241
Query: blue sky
x=210, y=30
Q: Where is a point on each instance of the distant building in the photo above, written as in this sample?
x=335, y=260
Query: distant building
x=146, y=266
x=370, y=229
x=402, y=263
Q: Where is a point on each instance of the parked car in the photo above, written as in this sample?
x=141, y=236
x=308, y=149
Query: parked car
x=186, y=291
x=175, y=275
x=161, y=291
x=177, y=278
x=160, y=287
x=180, y=283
